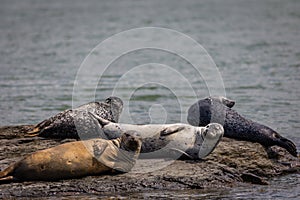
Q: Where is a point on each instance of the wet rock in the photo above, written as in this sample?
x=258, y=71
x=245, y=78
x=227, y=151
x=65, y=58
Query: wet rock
x=231, y=163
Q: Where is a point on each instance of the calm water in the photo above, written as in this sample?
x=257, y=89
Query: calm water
x=255, y=44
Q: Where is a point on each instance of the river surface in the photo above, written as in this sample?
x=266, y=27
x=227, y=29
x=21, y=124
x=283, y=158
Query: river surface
x=255, y=45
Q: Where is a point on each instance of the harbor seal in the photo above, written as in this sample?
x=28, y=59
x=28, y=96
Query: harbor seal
x=168, y=140
x=218, y=110
x=77, y=159
x=76, y=123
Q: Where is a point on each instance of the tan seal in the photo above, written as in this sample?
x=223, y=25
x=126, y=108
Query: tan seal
x=77, y=159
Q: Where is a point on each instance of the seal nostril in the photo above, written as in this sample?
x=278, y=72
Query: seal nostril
x=275, y=135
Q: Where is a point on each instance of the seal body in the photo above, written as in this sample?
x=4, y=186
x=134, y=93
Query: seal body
x=168, y=140
x=77, y=123
x=218, y=110
x=76, y=159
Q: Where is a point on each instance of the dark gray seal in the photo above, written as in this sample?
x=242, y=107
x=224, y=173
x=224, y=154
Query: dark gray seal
x=218, y=110
x=77, y=123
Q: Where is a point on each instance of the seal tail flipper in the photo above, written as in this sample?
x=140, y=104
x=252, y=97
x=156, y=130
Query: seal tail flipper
x=33, y=133
x=39, y=127
x=5, y=175
x=288, y=145
x=6, y=179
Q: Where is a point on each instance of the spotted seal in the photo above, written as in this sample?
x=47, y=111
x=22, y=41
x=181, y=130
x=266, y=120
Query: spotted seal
x=168, y=140
x=77, y=159
x=77, y=123
x=218, y=110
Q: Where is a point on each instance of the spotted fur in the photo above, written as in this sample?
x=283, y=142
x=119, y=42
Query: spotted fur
x=218, y=110
x=77, y=123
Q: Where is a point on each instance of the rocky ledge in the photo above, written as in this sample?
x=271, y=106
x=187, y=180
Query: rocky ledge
x=231, y=163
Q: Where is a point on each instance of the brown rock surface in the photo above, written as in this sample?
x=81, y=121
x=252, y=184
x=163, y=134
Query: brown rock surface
x=231, y=163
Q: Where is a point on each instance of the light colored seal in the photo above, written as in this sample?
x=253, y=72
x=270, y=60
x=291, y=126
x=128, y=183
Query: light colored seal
x=77, y=123
x=168, y=140
x=77, y=159
x=218, y=110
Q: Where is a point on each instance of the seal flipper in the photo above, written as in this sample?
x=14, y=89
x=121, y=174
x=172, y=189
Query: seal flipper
x=6, y=174
x=98, y=148
x=182, y=152
x=170, y=130
x=288, y=145
x=272, y=138
x=101, y=120
x=33, y=132
x=98, y=127
x=6, y=179
x=38, y=128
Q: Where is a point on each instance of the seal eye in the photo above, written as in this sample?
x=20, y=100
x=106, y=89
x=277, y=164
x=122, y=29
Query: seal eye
x=108, y=100
x=126, y=134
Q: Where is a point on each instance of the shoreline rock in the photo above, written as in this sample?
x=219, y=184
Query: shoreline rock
x=232, y=163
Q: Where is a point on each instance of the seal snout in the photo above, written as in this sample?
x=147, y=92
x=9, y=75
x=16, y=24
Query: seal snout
x=214, y=130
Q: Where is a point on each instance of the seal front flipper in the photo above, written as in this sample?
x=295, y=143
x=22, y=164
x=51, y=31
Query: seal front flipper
x=98, y=148
x=170, y=130
x=182, y=153
x=98, y=126
x=101, y=120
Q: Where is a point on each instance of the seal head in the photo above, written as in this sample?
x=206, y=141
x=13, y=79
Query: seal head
x=211, y=138
x=122, y=155
x=131, y=141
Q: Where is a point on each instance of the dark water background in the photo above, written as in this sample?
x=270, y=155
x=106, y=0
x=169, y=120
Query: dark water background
x=255, y=44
